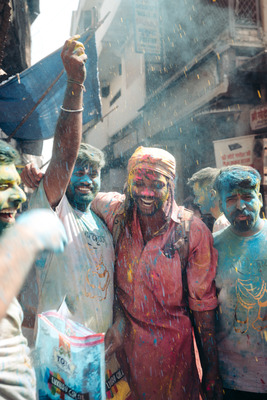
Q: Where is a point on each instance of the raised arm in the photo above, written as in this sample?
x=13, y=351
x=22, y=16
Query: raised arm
x=68, y=133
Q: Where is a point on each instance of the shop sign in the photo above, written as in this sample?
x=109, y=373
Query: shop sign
x=237, y=150
x=258, y=118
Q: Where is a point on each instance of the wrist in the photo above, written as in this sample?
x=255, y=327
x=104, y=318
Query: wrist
x=76, y=83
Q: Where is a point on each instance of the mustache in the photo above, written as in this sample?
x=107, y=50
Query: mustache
x=243, y=213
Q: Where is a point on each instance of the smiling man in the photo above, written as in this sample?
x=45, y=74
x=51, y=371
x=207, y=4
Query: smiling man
x=148, y=226
x=241, y=281
x=149, y=231
x=81, y=279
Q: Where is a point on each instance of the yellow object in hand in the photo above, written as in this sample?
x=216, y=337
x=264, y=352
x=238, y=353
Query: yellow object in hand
x=78, y=45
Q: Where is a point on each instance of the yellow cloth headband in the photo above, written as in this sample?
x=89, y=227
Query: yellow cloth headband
x=154, y=159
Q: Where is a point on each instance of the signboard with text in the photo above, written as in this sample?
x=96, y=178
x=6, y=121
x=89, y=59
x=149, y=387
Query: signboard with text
x=258, y=118
x=237, y=150
x=147, y=32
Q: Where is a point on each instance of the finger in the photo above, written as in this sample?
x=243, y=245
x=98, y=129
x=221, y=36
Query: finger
x=109, y=351
x=70, y=40
x=26, y=179
x=33, y=175
x=78, y=50
x=83, y=57
x=79, y=46
x=36, y=172
x=27, y=182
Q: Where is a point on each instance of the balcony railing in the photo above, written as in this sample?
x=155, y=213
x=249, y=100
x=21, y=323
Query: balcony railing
x=190, y=26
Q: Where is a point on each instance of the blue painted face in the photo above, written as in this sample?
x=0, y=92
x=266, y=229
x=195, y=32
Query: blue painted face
x=203, y=198
x=84, y=186
x=241, y=207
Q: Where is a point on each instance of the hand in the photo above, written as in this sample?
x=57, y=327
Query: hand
x=46, y=228
x=114, y=337
x=212, y=386
x=31, y=176
x=74, y=57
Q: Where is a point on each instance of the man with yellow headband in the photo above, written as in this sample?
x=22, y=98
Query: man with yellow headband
x=157, y=353
x=157, y=288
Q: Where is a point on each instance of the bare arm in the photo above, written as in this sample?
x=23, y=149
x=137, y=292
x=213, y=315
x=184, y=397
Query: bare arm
x=115, y=335
x=34, y=231
x=68, y=133
x=205, y=337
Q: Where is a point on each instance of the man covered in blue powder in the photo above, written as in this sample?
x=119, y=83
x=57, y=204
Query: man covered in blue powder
x=241, y=282
x=79, y=281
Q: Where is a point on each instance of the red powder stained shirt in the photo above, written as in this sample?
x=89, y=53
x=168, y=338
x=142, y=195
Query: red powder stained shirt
x=158, y=356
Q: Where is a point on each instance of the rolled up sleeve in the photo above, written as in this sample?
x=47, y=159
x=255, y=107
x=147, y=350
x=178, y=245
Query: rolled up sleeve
x=106, y=206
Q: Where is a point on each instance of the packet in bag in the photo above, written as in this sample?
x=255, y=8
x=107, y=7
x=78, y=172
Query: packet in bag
x=69, y=360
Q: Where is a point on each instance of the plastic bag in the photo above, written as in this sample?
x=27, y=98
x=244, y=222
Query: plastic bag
x=117, y=387
x=69, y=360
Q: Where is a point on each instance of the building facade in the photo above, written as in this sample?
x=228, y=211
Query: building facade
x=177, y=74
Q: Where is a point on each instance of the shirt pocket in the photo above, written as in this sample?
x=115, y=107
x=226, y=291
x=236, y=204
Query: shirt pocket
x=165, y=279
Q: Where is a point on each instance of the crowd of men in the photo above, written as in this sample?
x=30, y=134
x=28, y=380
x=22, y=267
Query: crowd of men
x=137, y=266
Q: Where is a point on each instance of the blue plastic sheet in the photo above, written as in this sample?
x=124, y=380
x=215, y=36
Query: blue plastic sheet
x=19, y=95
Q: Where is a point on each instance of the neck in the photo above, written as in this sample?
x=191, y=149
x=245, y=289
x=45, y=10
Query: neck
x=151, y=224
x=215, y=211
x=81, y=207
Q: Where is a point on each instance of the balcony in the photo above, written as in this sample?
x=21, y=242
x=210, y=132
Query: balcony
x=191, y=29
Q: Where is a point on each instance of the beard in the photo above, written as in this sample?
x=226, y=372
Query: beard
x=245, y=225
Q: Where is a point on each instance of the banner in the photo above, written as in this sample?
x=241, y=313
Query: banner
x=237, y=150
x=20, y=94
x=147, y=32
x=258, y=118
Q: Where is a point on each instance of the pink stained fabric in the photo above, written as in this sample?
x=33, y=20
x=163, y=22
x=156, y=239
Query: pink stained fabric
x=158, y=356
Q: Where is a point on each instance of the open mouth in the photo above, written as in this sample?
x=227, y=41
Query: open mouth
x=83, y=189
x=146, y=203
x=8, y=215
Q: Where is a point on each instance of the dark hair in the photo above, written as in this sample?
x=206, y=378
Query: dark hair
x=204, y=176
x=238, y=176
x=90, y=154
x=8, y=155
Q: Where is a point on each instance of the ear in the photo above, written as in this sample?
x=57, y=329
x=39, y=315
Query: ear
x=260, y=198
x=212, y=194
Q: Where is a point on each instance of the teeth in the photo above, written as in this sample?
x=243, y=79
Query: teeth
x=147, y=202
x=6, y=211
x=83, y=189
